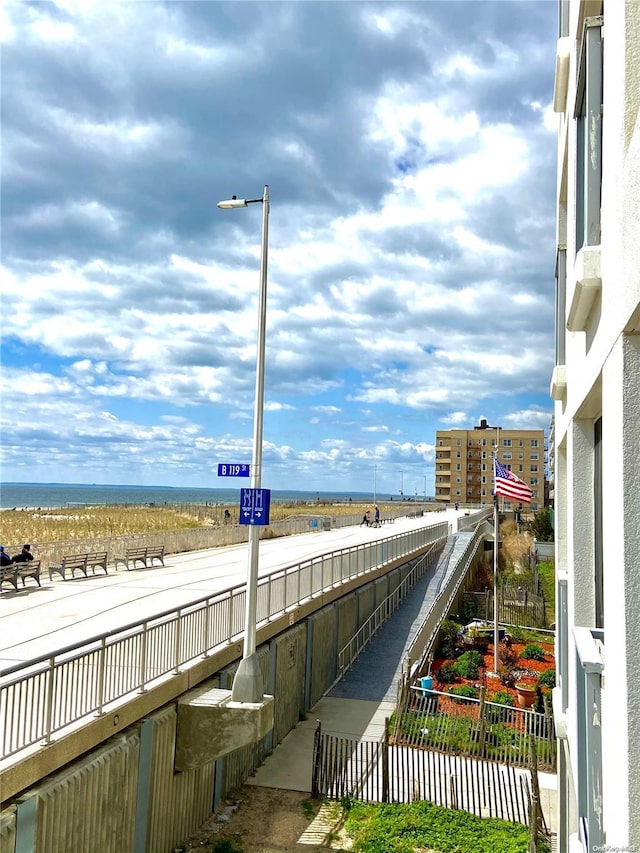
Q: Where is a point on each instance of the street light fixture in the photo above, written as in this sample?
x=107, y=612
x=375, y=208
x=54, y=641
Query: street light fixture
x=247, y=684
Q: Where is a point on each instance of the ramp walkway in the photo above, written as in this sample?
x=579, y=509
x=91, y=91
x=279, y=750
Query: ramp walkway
x=357, y=705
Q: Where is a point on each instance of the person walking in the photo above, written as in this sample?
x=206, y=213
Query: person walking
x=376, y=516
x=366, y=519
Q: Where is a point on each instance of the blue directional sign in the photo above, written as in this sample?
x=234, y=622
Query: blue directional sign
x=254, y=506
x=234, y=469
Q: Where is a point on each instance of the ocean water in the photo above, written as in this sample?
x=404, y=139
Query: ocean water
x=21, y=495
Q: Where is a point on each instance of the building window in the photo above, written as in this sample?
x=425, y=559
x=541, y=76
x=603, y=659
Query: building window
x=534, y=469
x=506, y=442
x=534, y=442
x=534, y=456
x=520, y=442
x=520, y=469
x=506, y=455
x=588, y=117
x=597, y=523
x=561, y=304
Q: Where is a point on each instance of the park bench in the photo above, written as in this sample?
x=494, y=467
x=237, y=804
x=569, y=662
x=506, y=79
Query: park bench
x=146, y=556
x=10, y=574
x=80, y=562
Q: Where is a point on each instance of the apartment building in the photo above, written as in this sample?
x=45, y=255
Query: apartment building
x=464, y=463
x=596, y=391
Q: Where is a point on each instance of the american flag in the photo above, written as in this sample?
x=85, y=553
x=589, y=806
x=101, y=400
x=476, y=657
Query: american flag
x=507, y=484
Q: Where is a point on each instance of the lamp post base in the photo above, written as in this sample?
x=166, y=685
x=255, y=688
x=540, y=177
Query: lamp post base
x=247, y=684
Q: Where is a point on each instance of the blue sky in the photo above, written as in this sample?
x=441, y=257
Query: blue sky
x=410, y=153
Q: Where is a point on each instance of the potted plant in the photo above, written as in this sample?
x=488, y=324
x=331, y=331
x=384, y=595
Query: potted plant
x=526, y=692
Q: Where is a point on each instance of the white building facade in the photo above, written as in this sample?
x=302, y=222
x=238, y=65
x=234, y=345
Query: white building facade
x=596, y=389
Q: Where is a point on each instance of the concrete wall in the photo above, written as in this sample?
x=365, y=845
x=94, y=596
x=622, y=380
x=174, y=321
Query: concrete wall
x=126, y=797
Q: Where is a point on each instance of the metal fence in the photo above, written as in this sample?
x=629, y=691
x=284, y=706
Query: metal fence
x=381, y=772
x=41, y=697
x=429, y=719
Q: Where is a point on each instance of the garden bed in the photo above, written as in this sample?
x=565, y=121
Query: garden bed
x=526, y=669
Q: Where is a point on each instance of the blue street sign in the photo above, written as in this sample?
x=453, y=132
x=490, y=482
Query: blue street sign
x=233, y=469
x=254, y=506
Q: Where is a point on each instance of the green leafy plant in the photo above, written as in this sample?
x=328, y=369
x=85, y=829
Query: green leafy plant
x=308, y=809
x=468, y=664
x=501, y=697
x=465, y=690
x=533, y=652
x=421, y=825
x=448, y=638
x=542, y=526
x=448, y=673
x=548, y=679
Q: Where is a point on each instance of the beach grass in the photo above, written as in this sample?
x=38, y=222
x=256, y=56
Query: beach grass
x=64, y=523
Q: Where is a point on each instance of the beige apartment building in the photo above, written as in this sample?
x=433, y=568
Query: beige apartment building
x=464, y=463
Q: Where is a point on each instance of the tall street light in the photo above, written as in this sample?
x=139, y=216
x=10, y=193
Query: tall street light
x=247, y=684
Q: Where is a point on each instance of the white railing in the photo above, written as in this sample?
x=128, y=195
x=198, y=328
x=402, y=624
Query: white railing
x=43, y=696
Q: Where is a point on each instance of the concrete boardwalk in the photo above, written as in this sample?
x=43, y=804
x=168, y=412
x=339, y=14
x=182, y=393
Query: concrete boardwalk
x=37, y=620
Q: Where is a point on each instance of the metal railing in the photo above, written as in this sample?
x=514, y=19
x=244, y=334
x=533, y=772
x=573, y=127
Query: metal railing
x=426, y=634
x=43, y=696
x=364, y=635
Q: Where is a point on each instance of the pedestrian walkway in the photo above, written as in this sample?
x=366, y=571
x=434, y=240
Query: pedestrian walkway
x=356, y=707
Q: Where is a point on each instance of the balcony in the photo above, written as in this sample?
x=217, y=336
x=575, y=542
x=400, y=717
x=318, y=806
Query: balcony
x=584, y=713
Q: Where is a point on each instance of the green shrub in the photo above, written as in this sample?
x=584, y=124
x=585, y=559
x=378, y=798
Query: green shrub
x=448, y=638
x=517, y=634
x=501, y=697
x=466, y=690
x=548, y=679
x=468, y=664
x=533, y=652
x=448, y=673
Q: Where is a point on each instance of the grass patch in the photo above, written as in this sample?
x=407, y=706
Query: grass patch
x=308, y=810
x=406, y=828
x=51, y=525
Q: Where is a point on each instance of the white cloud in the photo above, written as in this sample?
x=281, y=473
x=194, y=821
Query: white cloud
x=407, y=283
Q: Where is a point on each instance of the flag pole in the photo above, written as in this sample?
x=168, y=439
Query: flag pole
x=496, y=534
x=495, y=573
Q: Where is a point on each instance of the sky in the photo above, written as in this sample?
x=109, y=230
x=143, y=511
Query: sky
x=410, y=153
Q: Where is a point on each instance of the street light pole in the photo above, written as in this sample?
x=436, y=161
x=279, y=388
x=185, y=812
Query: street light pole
x=248, y=685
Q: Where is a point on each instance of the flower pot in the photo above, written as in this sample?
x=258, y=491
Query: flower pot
x=526, y=695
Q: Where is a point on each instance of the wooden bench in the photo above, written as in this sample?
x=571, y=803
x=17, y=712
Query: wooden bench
x=146, y=556
x=28, y=569
x=80, y=562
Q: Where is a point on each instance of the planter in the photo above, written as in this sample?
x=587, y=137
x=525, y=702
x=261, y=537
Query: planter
x=526, y=695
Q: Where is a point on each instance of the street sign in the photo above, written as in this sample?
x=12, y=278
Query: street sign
x=254, y=506
x=234, y=469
